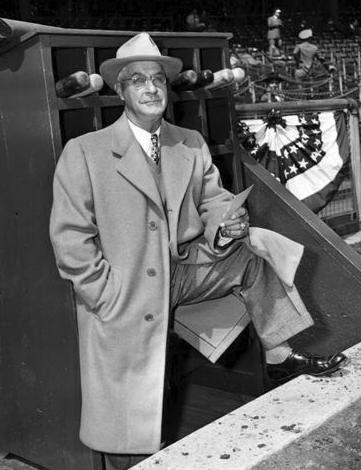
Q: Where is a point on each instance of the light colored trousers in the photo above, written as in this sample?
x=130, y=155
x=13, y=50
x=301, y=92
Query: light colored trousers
x=276, y=311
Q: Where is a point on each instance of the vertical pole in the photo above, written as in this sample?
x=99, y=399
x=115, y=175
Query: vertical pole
x=252, y=90
x=359, y=73
x=355, y=159
x=344, y=68
x=340, y=83
x=330, y=85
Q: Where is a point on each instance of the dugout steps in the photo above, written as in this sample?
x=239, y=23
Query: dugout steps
x=307, y=423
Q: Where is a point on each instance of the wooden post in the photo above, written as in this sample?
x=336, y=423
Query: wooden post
x=355, y=158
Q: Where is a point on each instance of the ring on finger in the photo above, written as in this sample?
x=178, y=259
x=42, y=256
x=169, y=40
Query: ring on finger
x=224, y=232
x=242, y=226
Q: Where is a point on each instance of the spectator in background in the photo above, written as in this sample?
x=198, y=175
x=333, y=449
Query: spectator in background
x=274, y=24
x=273, y=92
x=248, y=57
x=305, y=54
x=353, y=28
x=235, y=61
x=333, y=27
x=304, y=24
x=193, y=22
x=203, y=18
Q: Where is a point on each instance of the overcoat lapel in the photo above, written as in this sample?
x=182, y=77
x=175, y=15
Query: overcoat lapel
x=132, y=164
x=177, y=166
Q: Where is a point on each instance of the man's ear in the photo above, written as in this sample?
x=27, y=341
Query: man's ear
x=119, y=90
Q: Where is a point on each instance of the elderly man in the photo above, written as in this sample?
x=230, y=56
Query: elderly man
x=138, y=227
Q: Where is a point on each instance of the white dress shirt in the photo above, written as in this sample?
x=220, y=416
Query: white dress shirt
x=143, y=137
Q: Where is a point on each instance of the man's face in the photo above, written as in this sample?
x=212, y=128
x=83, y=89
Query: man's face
x=144, y=102
x=273, y=85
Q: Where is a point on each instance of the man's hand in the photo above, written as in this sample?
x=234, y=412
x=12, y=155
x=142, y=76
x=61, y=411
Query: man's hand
x=236, y=226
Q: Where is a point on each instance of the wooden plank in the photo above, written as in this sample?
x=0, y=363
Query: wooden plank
x=39, y=367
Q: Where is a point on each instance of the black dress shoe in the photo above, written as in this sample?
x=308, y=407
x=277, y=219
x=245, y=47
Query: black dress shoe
x=298, y=363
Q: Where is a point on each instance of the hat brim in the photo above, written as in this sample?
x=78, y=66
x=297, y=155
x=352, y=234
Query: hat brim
x=276, y=78
x=305, y=35
x=110, y=69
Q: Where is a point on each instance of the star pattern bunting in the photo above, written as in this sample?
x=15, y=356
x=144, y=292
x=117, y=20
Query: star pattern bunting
x=308, y=153
x=300, y=154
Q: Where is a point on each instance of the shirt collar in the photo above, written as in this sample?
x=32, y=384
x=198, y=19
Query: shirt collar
x=142, y=136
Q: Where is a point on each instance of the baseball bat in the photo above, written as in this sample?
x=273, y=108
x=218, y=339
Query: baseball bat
x=221, y=78
x=238, y=74
x=72, y=84
x=95, y=84
x=184, y=80
x=204, y=77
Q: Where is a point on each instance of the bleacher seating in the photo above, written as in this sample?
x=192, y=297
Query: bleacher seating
x=247, y=23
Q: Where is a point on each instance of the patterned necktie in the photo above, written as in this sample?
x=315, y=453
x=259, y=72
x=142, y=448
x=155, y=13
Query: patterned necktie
x=155, y=151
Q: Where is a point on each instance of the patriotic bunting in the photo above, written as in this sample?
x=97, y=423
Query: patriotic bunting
x=308, y=153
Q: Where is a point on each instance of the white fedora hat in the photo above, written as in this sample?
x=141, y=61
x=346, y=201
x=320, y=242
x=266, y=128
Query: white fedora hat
x=305, y=34
x=138, y=48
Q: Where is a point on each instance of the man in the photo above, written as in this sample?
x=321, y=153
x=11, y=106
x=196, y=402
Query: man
x=305, y=53
x=274, y=24
x=137, y=227
x=194, y=23
x=273, y=93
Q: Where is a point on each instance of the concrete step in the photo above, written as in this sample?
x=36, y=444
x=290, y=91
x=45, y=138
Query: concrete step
x=297, y=426
x=12, y=463
x=353, y=238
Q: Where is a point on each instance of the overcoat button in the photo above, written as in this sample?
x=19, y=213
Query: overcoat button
x=151, y=272
x=152, y=225
x=149, y=317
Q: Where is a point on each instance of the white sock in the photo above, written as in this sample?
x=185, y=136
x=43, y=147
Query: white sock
x=278, y=354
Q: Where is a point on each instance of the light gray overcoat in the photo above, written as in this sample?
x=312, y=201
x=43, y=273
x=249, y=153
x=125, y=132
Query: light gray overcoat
x=110, y=236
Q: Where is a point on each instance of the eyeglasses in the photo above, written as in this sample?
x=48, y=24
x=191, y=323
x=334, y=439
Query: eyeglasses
x=140, y=80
